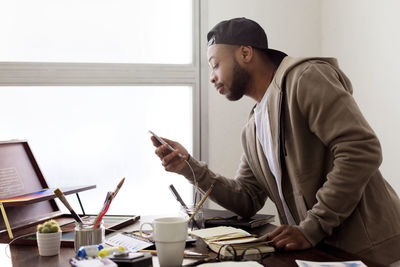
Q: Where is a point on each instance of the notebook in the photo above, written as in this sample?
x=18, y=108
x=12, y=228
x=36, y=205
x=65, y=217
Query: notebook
x=239, y=239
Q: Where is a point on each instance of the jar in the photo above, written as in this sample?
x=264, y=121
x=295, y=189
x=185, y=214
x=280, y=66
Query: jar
x=198, y=219
x=85, y=234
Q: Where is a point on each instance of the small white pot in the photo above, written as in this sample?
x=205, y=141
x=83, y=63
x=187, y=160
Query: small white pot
x=48, y=243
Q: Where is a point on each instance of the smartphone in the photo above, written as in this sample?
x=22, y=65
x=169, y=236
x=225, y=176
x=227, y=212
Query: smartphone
x=129, y=257
x=163, y=142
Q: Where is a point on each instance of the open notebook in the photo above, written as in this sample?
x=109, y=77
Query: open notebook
x=239, y=239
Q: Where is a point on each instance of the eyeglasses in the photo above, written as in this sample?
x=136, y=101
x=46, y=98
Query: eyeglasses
x=230, y=253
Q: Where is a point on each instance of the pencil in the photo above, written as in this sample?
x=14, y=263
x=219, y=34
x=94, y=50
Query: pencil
x=61, y=196
x=201, y=202
x=189, y=254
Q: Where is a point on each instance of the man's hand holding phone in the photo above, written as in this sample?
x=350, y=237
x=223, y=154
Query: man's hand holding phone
x=171, y=153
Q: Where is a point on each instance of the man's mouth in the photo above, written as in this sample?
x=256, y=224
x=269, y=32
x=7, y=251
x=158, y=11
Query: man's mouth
x=219, y=88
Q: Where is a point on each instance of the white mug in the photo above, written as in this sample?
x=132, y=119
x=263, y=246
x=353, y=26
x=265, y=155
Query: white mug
x=170, y=234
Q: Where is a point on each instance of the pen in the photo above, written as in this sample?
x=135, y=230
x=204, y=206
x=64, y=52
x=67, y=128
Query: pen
x=106, y=205
x=180, y=200
x=103, y=211
x=108, y=196
x=61, y=196
x=201, y=202
x=103, y=208
x=178, y=197
x=188, y=254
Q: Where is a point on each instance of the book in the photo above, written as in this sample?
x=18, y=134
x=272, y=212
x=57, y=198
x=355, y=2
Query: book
x=214, y=218
x=239, y=239
x=25, y=197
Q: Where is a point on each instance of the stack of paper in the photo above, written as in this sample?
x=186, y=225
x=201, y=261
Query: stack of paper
x=239, y=239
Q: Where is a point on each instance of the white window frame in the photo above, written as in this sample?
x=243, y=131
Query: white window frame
x=125, y=74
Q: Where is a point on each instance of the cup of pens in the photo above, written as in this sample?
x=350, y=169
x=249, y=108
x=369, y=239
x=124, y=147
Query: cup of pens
x=87, y=233
x=198, y=218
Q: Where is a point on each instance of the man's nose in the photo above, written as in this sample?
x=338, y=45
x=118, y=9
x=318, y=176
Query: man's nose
x=213, y=77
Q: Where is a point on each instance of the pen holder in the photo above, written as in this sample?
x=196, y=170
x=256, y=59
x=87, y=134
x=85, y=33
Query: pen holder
x=85, y=234
x=198, y=219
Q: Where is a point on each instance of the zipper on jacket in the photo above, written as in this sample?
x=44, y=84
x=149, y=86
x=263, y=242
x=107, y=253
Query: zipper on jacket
x=282, y=121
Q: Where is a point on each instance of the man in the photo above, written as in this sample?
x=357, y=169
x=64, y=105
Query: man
x=306, y=146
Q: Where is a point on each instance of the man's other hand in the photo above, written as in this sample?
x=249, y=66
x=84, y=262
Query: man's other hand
x=288, y=237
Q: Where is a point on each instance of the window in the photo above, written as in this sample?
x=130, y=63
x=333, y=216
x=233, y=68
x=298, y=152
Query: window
x=123, y=31
x=83, y=82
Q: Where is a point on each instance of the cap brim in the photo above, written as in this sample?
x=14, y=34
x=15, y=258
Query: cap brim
x=276, y=56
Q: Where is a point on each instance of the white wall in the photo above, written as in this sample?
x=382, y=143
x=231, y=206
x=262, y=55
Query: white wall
x=361, y=34
x=365, y=36
x=291, y=26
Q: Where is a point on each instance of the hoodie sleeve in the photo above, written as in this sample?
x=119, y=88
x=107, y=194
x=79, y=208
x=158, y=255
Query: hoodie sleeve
x=243, y=194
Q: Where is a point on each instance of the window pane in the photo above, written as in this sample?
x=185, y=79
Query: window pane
x=132, y=31
x=97, y=135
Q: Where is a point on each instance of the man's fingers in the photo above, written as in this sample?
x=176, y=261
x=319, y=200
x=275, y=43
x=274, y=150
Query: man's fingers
x=171, y=167
x=287, y=242
x=169, y=141
x=173, y=159
x=174, y=165
x=155, y=141
x=174, y=155
x=276, y=232
x=282, y=238
x=288, y=238
x=282, y=242
x=292, y=246
x=162, y=151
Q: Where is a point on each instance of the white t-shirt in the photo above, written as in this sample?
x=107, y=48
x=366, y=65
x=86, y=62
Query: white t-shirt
x=263, y=131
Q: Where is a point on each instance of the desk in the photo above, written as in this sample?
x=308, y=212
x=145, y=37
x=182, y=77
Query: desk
x=27, y=256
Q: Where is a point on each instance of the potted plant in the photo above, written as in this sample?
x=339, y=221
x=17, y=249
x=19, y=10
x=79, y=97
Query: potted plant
x=48, y=237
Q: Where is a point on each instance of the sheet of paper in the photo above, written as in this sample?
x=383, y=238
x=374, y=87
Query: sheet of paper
x=220, y=231
x=302, y=263
x=232, y=263
x=10, y=183
x=5, y=254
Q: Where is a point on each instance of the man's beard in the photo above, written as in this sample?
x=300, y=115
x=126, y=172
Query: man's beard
x=240, y=82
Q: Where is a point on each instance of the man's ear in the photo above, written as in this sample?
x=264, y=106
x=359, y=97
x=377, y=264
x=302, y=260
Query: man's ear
x=246, y=53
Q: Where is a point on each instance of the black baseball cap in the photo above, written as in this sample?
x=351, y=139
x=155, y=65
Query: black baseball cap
x=243, y=31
